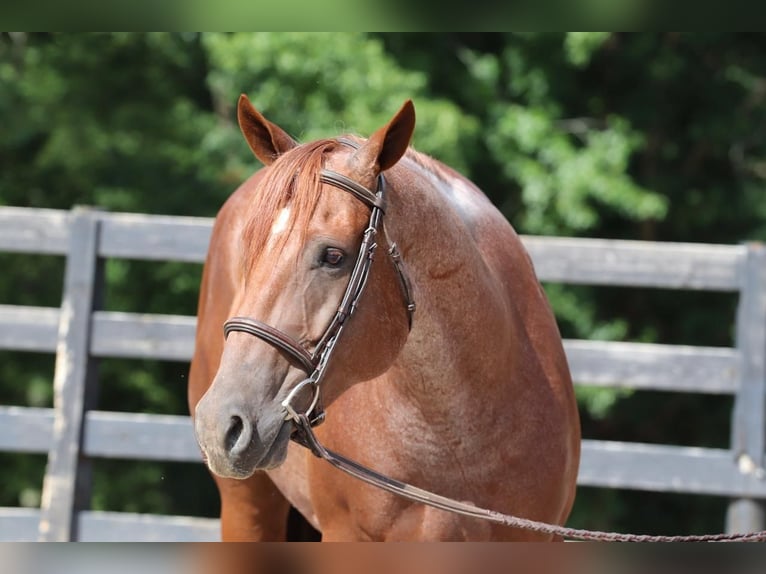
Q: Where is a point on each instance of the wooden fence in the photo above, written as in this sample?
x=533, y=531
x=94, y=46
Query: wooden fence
x=79, y=333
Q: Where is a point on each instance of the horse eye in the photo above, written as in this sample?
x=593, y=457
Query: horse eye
x=333, y=257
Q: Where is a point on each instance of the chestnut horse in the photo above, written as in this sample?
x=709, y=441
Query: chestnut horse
x=468, y=395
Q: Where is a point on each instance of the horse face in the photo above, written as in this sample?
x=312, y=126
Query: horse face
x=296, y=288
x=295, y=283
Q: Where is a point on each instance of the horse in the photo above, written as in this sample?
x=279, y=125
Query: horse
x=439, y=364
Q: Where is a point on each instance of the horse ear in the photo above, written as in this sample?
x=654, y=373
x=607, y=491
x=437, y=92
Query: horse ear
x=268, y=141
x=388, y=144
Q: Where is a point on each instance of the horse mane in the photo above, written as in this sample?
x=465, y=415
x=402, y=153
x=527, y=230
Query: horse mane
x=293, y=179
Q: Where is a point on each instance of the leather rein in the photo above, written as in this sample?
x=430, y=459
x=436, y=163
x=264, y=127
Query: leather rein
x=315, y=362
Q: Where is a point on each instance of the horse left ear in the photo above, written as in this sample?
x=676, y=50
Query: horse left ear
x=388, y=144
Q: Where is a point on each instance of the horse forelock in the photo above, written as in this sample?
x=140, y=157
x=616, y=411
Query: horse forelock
x=292, y=181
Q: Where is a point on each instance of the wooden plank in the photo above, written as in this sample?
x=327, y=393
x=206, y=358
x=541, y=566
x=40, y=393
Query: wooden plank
x=571, y=260
x=25, y=429
x=26, y=328
x=748, y=425
x=65, y=486
x=27, y=230
x=19, y=524
x=128, y=527
x=646, y=366
x=745, y=515
x=131, y=335
x=154, y=237
x=665, y=468
x=140, y=436
x=106, y=434
x=637, y=263
x=604, y=463
x=635, y=365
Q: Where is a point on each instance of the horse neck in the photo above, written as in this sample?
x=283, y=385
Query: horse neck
x=462, y=303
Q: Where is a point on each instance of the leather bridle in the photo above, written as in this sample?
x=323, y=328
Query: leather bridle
x=315, y=362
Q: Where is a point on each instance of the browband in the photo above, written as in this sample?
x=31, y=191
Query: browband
x=361, y=192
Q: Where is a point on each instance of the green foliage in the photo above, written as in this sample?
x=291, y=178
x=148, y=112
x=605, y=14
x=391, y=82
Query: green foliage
x=324, y=84
x=642, y=136
x=104, y=119
x=579, y=47
x=570, y=168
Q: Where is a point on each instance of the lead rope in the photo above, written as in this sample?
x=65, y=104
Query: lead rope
x=304, y=435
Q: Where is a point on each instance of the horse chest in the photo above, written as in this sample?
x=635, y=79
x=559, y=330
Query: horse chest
x=292, y=479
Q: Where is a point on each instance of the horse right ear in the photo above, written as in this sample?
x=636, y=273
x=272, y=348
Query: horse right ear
x=268, y=141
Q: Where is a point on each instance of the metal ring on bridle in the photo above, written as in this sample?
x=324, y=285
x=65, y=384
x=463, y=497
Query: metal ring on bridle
x=290, y=412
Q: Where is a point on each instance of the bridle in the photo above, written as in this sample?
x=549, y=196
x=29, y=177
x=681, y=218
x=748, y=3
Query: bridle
x=315, y=362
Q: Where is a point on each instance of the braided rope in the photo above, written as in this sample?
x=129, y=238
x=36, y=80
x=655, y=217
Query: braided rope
x=600, y=536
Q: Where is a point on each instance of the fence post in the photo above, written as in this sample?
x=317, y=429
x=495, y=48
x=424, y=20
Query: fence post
x=66, y=486
x=747, y=436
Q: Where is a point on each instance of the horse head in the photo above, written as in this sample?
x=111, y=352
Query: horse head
x=300, y=250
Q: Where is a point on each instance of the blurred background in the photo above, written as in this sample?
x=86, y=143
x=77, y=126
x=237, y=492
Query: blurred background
x=637, y=136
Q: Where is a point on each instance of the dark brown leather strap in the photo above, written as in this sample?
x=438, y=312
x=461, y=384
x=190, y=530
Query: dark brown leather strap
x=305, y=436
x=273, y=336
x=359, y=191
x=404, y=282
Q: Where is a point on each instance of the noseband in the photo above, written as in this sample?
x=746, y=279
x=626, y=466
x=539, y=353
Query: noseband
x=315, y=363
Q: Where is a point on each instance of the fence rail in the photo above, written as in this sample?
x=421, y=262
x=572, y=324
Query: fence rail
x=73, y=433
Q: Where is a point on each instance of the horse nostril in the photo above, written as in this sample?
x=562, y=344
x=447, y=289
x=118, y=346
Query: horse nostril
x=234, y=433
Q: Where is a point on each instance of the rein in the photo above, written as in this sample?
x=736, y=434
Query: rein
x=304, y=435
x=315, y=363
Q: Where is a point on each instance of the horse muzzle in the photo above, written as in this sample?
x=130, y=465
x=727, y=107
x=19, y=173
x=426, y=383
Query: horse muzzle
x=235, y=445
